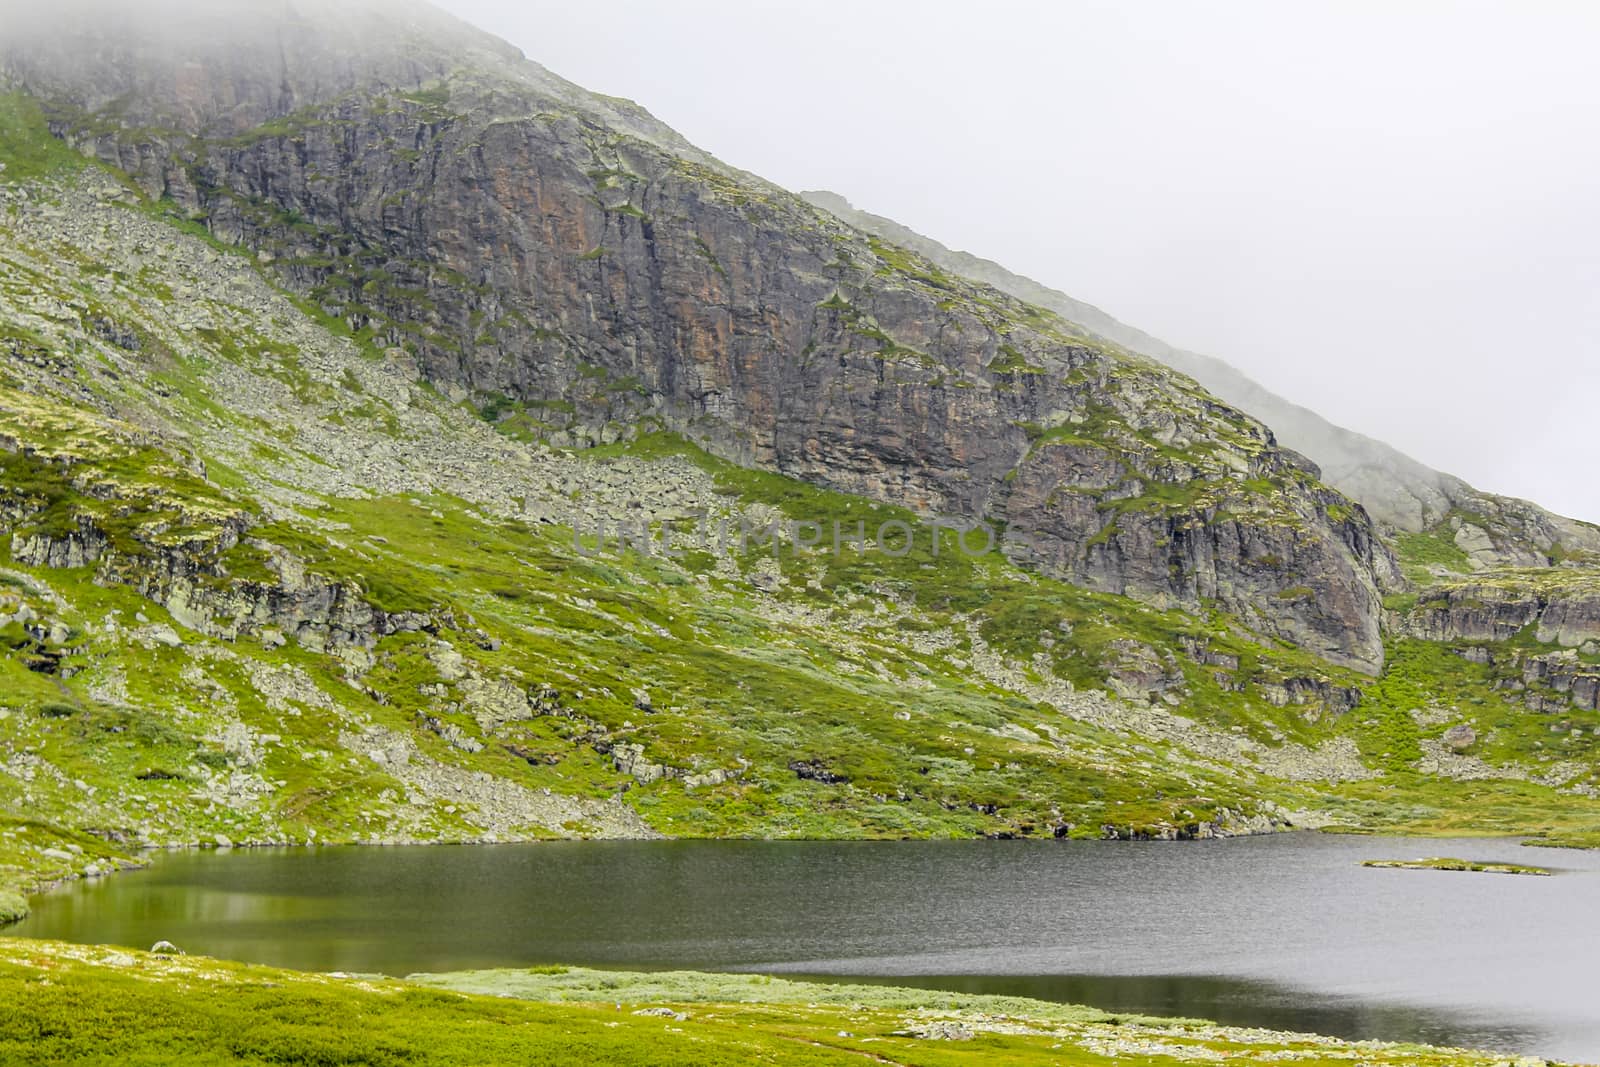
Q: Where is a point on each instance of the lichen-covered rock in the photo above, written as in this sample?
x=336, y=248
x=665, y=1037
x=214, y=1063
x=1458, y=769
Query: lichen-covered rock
x=1551, y=608
x=80, y=547
x=1565, y=673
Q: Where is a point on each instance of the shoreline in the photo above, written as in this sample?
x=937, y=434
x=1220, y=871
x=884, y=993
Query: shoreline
x=687, y=1017
x=1311, y=1022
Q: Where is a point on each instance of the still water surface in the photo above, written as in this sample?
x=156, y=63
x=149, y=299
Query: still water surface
x=1288, y=931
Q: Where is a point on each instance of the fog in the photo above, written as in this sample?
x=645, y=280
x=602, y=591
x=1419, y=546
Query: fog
x=1383, y=211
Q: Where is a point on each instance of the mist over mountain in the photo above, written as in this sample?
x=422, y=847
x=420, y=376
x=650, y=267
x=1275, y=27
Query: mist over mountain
x=1383, y=250
x=1395, y=489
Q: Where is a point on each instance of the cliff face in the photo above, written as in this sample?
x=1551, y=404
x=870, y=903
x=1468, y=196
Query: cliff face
x=1558, y=610
x=1395, y=489
x=566, y=257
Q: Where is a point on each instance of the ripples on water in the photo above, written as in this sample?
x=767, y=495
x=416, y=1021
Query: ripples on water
x=1288, y=931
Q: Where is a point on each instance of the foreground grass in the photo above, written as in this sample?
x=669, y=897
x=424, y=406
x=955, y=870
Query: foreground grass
x=93, y=1004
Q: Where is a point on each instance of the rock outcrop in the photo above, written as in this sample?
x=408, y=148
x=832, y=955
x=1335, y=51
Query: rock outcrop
x=191, y=578
x=1395, y=489
x=1551, y=613
x=1576, y=679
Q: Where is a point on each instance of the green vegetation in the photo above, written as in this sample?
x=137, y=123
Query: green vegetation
x=899, y=263
x=1435, y=547
x=1447, y=864
x=27, y=150
x=1011, y=361
x=69, y=1003
x=584, y=985
x=709, y=256
x=1587, y=837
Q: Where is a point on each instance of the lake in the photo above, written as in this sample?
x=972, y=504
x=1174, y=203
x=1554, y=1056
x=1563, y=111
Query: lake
x=1286, y=931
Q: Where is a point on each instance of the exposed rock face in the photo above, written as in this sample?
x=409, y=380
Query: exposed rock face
x=190, y=580
x=1139, y=672
x=1394, y=488
x=1491, y=611
x=1548, y=682
x=1567, y=674
x=1302, y=692
x=318, y=615
x=531, y=241
x=1498, y=532
x=75, y=548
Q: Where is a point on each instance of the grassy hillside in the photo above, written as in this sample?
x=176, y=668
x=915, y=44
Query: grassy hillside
x=92, y=1005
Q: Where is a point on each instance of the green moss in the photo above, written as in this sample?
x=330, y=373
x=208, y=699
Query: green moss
x=1585, y=837
x=709, y=256
x=1011, y=361
x=432, y=98
x=1435, y=547
x=389, y=587
x=627, y=209
x=1447, y=864
x=28, y=151
x=1401, y=603
x=902, y=263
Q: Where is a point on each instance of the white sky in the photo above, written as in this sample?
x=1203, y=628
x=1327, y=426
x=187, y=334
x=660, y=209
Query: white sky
x=1388, y=212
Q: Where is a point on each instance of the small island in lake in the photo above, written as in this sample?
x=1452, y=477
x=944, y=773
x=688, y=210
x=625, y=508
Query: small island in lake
x=1448, y=864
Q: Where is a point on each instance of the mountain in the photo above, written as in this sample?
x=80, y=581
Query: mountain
x=327, y=326
x=1396, y=490
x=524, y=242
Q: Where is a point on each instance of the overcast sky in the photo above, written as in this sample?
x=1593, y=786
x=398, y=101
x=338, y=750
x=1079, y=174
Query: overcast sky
x=1385, y=211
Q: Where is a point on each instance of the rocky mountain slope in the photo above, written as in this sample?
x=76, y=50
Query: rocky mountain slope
x=314, y=359
x=1395, y=489
x=1490, y=567
x=524, y=242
